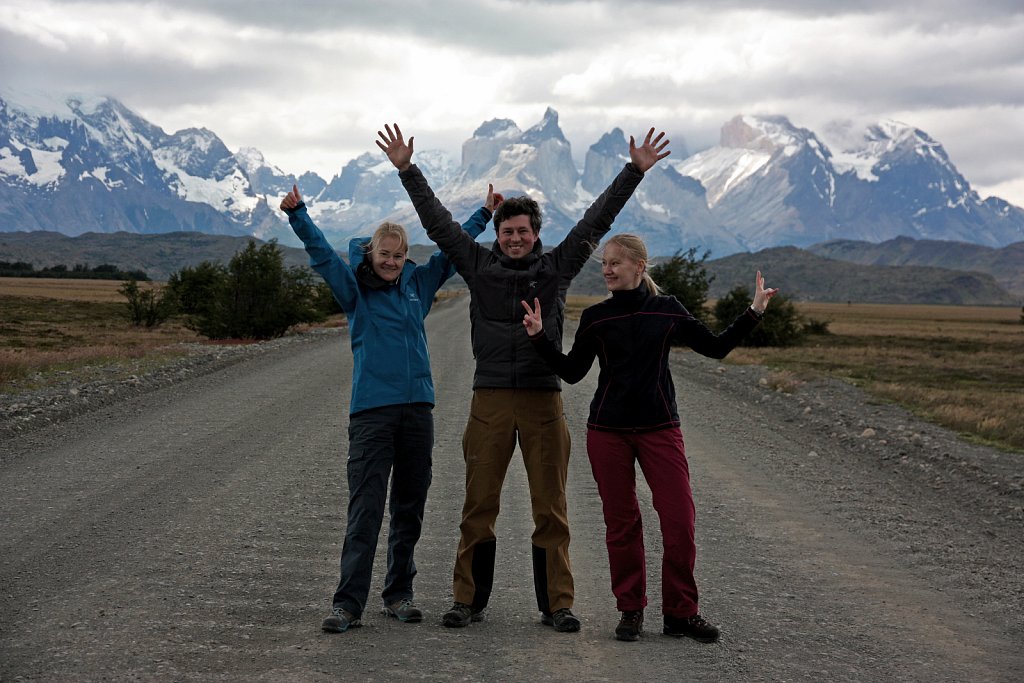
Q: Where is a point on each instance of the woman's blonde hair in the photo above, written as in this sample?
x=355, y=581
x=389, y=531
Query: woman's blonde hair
x=386, y=229
x=635, y=250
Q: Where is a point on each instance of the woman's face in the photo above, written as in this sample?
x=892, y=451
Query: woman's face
x=388, y=258
x=619, y=270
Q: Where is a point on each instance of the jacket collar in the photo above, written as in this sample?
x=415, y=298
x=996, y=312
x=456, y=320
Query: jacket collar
x=518, y=263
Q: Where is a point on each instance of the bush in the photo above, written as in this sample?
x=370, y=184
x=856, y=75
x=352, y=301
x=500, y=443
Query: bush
x=150, y=306
x=685, y=277
x=782, y=324
x=196, y=288
x=254, y=297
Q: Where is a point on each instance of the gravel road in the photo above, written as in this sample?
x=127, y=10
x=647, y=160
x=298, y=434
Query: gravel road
x=185, y=526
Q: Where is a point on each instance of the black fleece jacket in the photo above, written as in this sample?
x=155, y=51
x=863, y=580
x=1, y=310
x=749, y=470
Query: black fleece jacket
x=497, y=284
x=631, y=335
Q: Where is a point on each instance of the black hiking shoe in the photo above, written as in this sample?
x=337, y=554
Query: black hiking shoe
x=340, y=620
x=404, y=610
x=696, y=627
x=631, y=626
x=563, y=620
x=460, y=615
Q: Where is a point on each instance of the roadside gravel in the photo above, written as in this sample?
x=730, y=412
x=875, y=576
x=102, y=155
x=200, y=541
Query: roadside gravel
x=184, y=524
x=27, y=407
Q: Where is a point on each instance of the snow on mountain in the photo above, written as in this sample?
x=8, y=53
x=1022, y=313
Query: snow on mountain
x=90, y=164
x=772, y=183
x=74, y=164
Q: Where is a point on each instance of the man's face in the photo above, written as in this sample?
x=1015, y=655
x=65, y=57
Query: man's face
x=516, y=236
x=388, y=259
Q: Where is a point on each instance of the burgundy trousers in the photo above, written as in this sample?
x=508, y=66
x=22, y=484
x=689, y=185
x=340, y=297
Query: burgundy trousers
x=662, y=459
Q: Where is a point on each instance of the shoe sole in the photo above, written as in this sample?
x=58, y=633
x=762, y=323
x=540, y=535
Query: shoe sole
x=330, y=628
x=548, y=621
x=453, y=623
x=687, y=635
x=407, y=620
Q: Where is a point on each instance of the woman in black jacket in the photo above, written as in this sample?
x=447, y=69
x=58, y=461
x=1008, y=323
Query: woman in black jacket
x=633, y=418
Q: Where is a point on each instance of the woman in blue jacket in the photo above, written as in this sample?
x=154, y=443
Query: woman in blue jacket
x=385, y=297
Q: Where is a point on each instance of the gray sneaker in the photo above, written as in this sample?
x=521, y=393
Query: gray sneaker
x=404, y=610
x=340, y=620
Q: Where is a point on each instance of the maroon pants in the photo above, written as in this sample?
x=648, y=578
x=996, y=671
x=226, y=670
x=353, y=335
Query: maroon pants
x=662, y=459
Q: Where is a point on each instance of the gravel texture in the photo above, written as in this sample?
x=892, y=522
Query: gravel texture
x=184, y=524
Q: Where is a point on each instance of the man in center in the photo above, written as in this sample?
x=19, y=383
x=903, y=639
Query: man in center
x=515, y=394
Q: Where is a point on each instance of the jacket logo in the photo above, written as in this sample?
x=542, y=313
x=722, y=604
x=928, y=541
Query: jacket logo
x=532, y=284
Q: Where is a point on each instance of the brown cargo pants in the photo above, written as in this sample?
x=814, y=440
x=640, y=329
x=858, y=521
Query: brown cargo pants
x=497, y=417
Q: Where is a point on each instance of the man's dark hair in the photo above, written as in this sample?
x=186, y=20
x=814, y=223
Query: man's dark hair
x=518, y=206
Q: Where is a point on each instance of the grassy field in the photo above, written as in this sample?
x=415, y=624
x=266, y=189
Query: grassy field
x=49, y=327
x=960, y=366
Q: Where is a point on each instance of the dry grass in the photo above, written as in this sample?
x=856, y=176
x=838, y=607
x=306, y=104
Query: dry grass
x=52, y=326
x=63, y=289
x=959, y=366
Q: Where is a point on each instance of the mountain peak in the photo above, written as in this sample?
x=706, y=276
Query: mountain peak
x=547, y=129
x=497, y=128
x=761, y=133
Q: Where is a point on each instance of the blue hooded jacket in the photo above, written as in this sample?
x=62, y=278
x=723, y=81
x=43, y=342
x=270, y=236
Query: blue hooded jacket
x=389, y=343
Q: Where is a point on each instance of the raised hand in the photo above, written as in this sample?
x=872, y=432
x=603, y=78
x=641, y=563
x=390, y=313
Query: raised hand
x=394, y=146
x=292, y=199
x=494, y=199
x=532, y=321
x=761, y=295
x=649, y=153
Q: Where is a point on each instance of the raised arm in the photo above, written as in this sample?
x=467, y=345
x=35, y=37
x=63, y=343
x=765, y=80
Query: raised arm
x=698, y=337
x=322, y=257
x=435, y=218
x=573, y=252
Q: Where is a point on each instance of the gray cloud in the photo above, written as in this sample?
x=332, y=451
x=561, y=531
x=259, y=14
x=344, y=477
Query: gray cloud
x=308, y=83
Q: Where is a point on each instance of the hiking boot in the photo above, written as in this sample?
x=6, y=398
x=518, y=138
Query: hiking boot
x=461, y=615
x=563, y=620
x=340, y=621
x=631, y=625
x=696, y=627
x=404, y=610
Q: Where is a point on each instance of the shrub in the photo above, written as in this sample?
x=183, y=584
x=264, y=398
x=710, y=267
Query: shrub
x=685, y=277
x=196, y=288
x=254, y=297
x=782, y=324
x=150, y=306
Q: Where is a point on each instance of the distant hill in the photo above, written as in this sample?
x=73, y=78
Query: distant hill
x=1006, y=265
x=799, y=273
x=808, y=277
x=158, y=255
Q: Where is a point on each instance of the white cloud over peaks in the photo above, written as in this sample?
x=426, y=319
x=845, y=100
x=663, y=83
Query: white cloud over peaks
x=310, y=82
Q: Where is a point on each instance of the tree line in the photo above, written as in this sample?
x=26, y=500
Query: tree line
x=80, y=271
x=255, y=296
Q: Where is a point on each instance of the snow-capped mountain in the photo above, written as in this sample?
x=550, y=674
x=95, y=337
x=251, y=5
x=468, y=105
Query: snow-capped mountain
x=75, y=164
x=771, y=183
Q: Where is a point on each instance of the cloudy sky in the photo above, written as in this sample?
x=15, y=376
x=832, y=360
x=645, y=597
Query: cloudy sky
x=309, y=82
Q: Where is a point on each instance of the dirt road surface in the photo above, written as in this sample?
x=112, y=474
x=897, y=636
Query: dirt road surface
x=192, y=534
